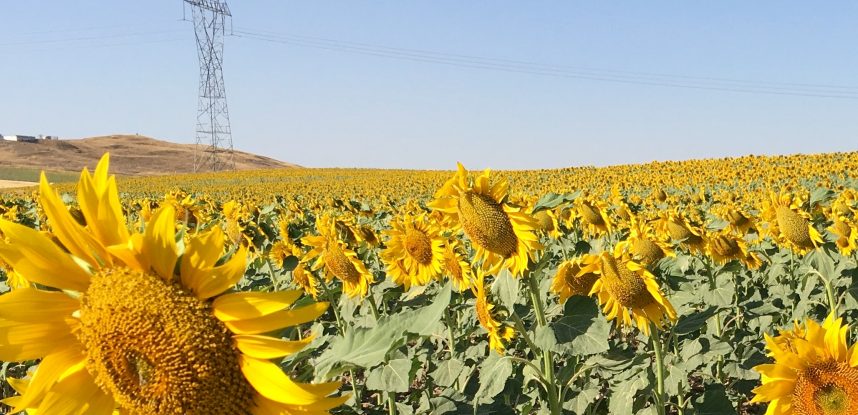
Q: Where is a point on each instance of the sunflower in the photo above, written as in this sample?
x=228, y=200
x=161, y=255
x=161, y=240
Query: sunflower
x=570, y=281
x=456, y=267
x=593, y=216
x=627, y=290
x=306, y=280
x=738, y=221
x=499, y=333
x=676, y=226
x=282, y=250
x=645, y=245
x=814, y=371
x=547, y=222
x=723, y=247
x=503, y=235
x=415, y=251
x=847, y=235
x=139, y=323
x=336, y=258
x=789, y=224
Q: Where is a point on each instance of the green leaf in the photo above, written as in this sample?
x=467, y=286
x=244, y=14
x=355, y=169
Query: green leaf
x=714, y=401
x=690, y=323
x=552, y=200
x=448, y=372
x=367, y=347
x=583, y=330
x=505, y=288
x=494, y=374
x=395, y=376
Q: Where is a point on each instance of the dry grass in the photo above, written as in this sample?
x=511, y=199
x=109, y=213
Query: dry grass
x=11, y=184
x=130, y=155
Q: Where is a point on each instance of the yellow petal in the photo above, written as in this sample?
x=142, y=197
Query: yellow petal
x=73, y=237
x=159, y=249
x=20, y=341
x=77, y=394
x=32, y=305
x=270, y=381
x=40, y=260
x=220, y=279
x=247, y=305
x=265, y=347
x=201, y=254
x=52, y=368
x=277, y=320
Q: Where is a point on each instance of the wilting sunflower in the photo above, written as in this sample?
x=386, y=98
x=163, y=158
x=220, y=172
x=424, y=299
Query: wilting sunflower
x=546, y=221
x=593, y=216
x=336, y=258
x=815, y=371
x=789, y=223
x=847, y=235
x=737, y=220
x=503, y=236
x=456, y=267
x=570, y=281
x=676, y=226
x=306, y=280
x=415, y=251
x=645, y=245
x=136, y=323
x=724, y=246
x=499, y=333
x=626, y=290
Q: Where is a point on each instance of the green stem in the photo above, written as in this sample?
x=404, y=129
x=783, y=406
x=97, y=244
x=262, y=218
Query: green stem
x=342, y=331
x=547, y=356
x=451, y=335
x=829, y=292
x=391, y=404
x=660, y=401
x=373, y=305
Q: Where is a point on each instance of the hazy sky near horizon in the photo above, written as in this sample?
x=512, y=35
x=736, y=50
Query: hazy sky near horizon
x=501, y=84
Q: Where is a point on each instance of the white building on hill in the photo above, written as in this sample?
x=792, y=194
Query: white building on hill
x=20, y=138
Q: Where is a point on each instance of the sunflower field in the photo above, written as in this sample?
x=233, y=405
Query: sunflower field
x=723, y=286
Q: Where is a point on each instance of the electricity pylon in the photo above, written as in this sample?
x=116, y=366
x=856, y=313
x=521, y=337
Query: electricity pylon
x=213, y=150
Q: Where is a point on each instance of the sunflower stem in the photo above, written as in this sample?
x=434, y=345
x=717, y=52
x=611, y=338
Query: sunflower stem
x=391, y=404
x=451, y=335
x=659, y=369
x=547, y=356
x=373, y=305
x=829, y=292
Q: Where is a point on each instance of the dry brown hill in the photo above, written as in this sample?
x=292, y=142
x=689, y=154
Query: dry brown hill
x=132, y=155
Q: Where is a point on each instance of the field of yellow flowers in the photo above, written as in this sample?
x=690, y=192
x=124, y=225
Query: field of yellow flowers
x=723, y=286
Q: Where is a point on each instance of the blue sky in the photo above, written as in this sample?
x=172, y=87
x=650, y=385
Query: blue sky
x=89, y=67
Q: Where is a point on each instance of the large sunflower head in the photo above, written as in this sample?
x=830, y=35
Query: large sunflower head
x=845, y=230
x=570, y=280
x=737, y=220
x=503, y=235
x=336, y=258
x=627, y=291
x=455, y=266
x=675, y=225
x=724, y=246
x=139, y=323
x=415, y=251
x=815, y=372
x=789, y=223
x=499, y=332
x=646, y=246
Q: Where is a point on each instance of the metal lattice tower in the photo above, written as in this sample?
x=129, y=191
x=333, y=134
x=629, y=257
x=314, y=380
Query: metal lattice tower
x=213, y=149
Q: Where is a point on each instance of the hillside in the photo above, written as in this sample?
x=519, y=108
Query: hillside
x=130, y=155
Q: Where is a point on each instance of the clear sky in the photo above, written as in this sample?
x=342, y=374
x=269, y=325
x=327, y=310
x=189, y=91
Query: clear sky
x=328, y=83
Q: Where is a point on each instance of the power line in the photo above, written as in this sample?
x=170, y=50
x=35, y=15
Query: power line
x=88, y=38
x=533, y=68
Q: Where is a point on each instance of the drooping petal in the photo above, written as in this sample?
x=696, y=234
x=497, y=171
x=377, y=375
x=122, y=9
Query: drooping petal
x=270, y=381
